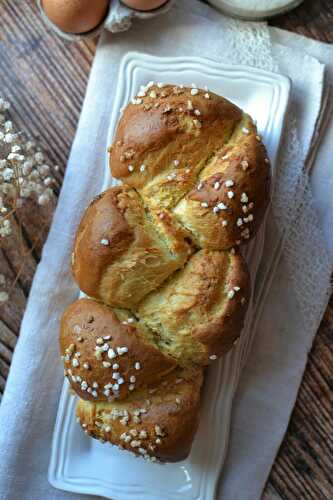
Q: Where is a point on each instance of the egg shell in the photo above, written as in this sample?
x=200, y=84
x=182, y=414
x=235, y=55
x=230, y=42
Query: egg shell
x=76, y=16
x=144, y=5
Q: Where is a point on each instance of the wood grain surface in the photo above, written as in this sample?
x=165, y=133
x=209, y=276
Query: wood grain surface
x=45, y=80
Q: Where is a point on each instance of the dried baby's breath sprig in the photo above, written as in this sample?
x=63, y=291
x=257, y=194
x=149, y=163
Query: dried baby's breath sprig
x=24, y=174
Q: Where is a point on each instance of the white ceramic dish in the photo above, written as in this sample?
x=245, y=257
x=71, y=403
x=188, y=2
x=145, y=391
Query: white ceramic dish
x=83, y=465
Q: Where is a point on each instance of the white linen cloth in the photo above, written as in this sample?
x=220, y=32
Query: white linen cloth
x=272, y=375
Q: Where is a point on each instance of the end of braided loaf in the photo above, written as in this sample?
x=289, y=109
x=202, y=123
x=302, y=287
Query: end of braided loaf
x=157, y=423
x=157, y=257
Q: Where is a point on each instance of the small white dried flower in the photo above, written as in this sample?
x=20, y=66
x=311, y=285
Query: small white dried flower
x=8, y=126
x=45, y=198
x=9, y=138
x=39, y=157
x=48, y=181
x=4, y=105
x=8, y=174
x=5, y=227
x=27, y=167
x=15, y=158
x=43, y=170
x=29, y=146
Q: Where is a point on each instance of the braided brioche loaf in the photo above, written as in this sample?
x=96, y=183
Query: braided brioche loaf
x=158, y=259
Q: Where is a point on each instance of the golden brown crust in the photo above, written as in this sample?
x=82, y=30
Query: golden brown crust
x=156, y=423
x=215, y=178
x=228, y=203
x=199, y=312
x=170, y=142
x=145, y=129
x=197, y=185
x=101, y=220
x=223, y=331
x=108, y=355
x=119, y=256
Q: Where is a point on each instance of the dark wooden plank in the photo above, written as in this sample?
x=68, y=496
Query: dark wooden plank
x=45, y=79
x=6, y=354
x=4, y=366
x=35, y=222
x=11, y=312
x=305, y=458
x=7, y=336
x=2, y=384
x=270, y=493
x=312, y=18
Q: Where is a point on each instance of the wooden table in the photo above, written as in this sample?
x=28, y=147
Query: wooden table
x=45, y=79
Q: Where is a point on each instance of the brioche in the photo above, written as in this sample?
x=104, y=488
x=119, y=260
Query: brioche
x=198, y=155
x=119, y=255
x=198, y=313
x=158, y=258
x=158, y=423
x=107, y=353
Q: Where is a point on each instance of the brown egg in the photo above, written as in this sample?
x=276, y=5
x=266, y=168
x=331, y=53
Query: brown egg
x=75, y=16
x=144, y=4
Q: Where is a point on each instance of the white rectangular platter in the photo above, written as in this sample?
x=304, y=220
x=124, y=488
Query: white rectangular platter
x=83, y=465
